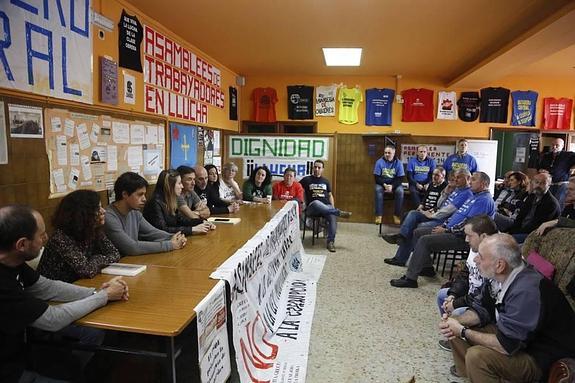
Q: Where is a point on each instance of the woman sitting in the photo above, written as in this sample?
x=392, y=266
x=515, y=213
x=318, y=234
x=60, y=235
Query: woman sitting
x=510, y=200
x=213, y=176
x=258, y=187
x=78, y=248
x=161, y=210
x=229, y=188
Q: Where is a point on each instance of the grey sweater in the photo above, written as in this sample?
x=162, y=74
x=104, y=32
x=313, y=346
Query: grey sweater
x=133, y=235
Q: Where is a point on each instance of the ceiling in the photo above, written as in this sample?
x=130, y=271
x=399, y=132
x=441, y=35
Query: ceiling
x=458, y=42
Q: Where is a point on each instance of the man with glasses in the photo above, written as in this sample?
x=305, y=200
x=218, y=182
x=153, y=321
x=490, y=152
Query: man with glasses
x=388, y=174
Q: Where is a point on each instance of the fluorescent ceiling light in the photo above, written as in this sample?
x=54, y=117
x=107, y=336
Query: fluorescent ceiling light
x=342, y=56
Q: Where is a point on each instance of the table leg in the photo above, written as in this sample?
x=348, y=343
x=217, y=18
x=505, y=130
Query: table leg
x=170, y=360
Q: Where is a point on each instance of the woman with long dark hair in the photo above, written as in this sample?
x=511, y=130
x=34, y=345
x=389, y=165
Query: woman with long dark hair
x=510, y=200
x=78, y=248
x=258, y=187
x=162, y=209
x=213, y=175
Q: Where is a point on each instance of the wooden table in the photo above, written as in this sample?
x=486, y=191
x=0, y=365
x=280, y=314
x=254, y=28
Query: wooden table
x=163, y=298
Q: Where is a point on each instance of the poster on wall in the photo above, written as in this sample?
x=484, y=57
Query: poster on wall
x=25, y=121
x=129, y=89
x=47, y=49
x=184, y=147
x=438, y=152
x=3, y=140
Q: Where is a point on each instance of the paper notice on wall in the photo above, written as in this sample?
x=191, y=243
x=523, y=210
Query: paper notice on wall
x=151, y=161
x=152, y=135
x=120, y=132
x=134, y=154
x=520, y=154
x=95, y=133
x=56, y=124
x=62, y=150
x=86, y=170
x=59, y=182
x=74, y=178
x=112, y=158
x=161, y=134
x=129, y=89
x=69, y=127
x=74, y=154
x=137, y=134
x=98, y=154
x=217, y=143
x=83, y=137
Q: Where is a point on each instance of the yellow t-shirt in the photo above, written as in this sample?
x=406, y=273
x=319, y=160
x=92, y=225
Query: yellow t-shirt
x=349, y=99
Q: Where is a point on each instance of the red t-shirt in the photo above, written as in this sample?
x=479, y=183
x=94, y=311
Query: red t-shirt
x=557, y=113
x=281, y=191
x=264, y=104
x=417, y=105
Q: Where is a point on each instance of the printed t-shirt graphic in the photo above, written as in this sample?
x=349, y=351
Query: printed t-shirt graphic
x=300, y=102
x=378, y=103
x=349, y=99
x=264, y=100
x=557, y=113
x=325, y=100
x=417, y=105
x=446, y=106
x=468, y=105
x=129, y=41
x=233, y=103
x=523, y=105
x=494, y=105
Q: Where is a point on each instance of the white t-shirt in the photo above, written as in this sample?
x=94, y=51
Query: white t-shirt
x=447, y=106
x=325, y=100
x=226, y=192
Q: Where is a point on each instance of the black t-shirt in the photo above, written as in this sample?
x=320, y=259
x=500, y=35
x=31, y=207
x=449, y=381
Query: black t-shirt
x=468, y=106
x=494, y=105
x=300, y=102
x=316, y=188
x=433, y=194
x=17, y=310
x=129, y=41
x=233, y=104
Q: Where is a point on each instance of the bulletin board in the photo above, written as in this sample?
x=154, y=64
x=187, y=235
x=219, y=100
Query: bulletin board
x=88, y=151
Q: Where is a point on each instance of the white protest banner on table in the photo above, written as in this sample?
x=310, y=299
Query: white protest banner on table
x=273, y=291
x=47, y=49
x=213, y=349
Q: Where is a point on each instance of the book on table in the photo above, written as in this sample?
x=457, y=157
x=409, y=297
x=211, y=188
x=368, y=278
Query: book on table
x=229, y=220
x=126, y=269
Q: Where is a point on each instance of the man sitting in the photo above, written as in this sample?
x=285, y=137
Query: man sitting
x=448, y=236
x=189, y=203
x=24, y=294
x=126, y=226
x=388, y=174
x=519, y=335
x=320, y=202
x=426, y=218
x=211, y=194
x=419, y=174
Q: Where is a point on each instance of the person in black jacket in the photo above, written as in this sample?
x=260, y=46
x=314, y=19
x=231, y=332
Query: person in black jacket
x=211, y=194
x=540, y=206
x=161, y=210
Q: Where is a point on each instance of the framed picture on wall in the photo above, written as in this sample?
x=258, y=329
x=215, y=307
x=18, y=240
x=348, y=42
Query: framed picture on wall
x=25, y=121
x=3, y=140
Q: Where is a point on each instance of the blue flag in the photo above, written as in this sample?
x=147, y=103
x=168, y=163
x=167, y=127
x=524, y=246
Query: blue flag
x=184, y=145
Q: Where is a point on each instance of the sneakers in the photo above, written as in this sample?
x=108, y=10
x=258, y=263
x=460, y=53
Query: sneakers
x=427, y=272
x=378, y=219
x=394, y=262
x=444, y=345
x=330, y=247
x=396, y=220
x=344, y=214
x=403, y=282
x=454, y=372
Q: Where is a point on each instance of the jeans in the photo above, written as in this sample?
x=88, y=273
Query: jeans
x=328, y=212
x=412, y=221
x=559, y=192
x=398, y=199
x=415, y=194
x=441, y=296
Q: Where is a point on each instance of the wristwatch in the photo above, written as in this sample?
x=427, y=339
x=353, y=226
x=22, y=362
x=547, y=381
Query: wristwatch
x=462, y=334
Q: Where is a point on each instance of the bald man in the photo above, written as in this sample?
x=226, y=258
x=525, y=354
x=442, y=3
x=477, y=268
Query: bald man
x=558, y=163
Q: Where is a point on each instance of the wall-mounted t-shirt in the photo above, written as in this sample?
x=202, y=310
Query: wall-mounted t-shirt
x=378, y=103
x=325, y=100
x=468, y=106
x=233, y=104
x=130, y=38
x=264, y=100
x=446, y=106
x=300, y=102
x=417, y=105
x=524, y=103
x=349, y=99
x=557, y=113
x=494, y=105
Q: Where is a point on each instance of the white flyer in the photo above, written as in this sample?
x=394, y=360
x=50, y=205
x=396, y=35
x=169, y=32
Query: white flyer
x=120, y=132
x=161, y=134
x=59, y=181
x=95, y=133
x=86, y=170
x=129, y=89
x=152, y=161
x=83, y=138
x=137, y=134
x=74, y=154
x=56, y=123
x=152, y=135
x=134, y=154
x=62, y=150
x=74, y=178
x=112, y=153
x=69, y=127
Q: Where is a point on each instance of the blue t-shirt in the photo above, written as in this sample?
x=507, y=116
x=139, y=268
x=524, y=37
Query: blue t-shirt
x=479, y=203
x=388, y=169
x=524, y=103
x=456, y=162
x=458, y=197
x=378, y=106
x=421, y=171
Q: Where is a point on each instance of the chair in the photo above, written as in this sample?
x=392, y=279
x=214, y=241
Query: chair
x=315, y=226
x=449, y=255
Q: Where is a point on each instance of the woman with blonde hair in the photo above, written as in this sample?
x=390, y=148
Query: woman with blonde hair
x=162, y=209
x=229, y=188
